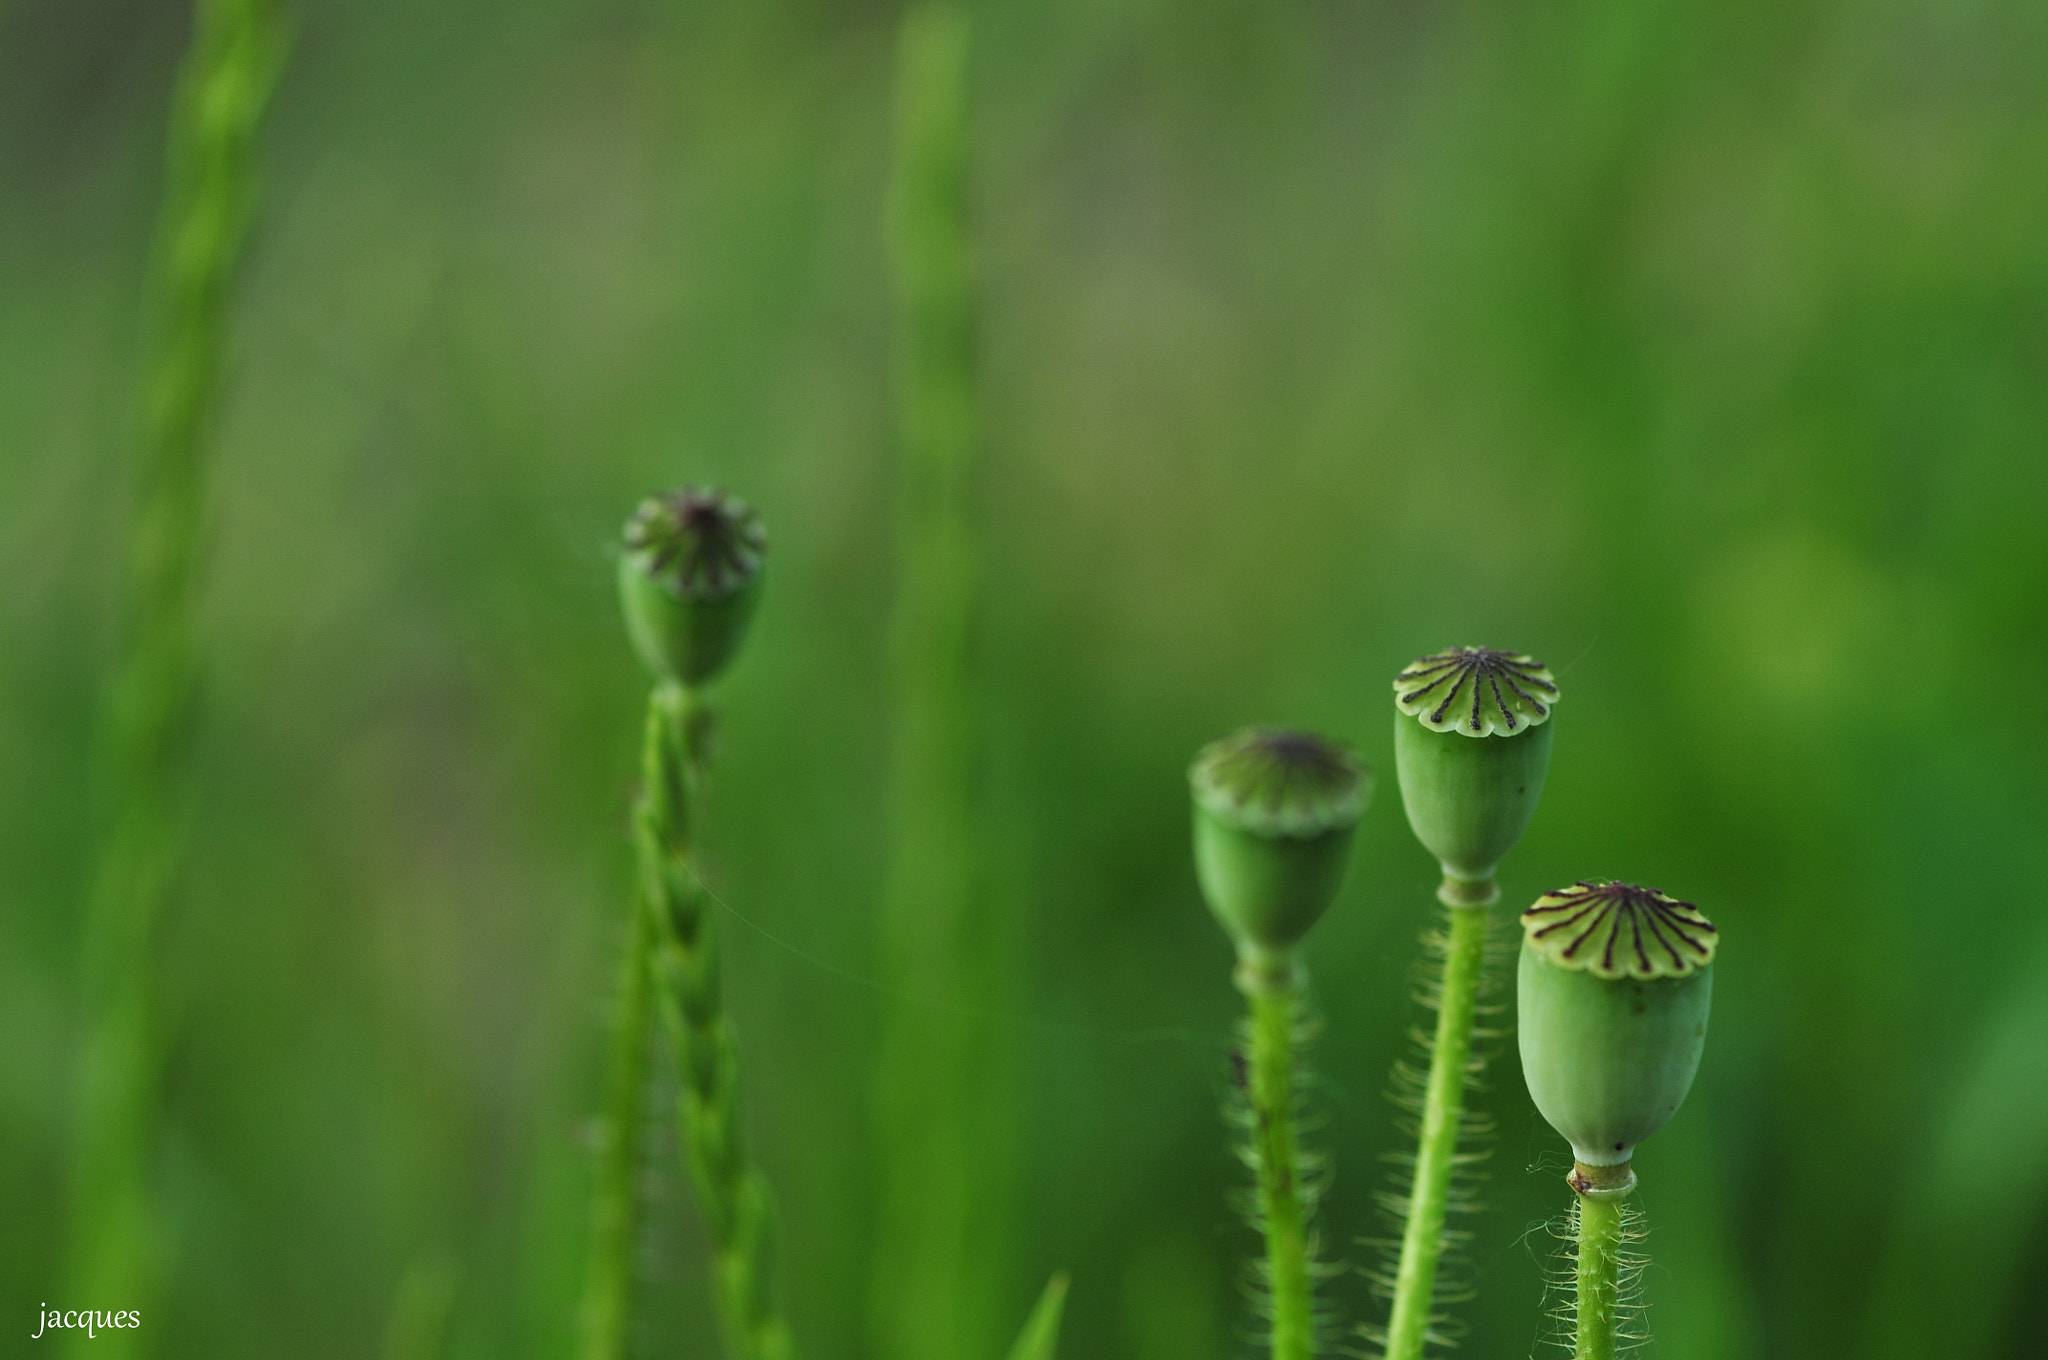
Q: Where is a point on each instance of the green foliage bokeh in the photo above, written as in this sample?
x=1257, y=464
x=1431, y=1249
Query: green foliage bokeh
x=1699, y=350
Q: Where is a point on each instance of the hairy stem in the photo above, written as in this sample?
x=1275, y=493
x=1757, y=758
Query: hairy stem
x=739, y=1210
x=1443, y=1108
x=222, y=88
x=615, y=1199
x=1598, y=1277
x=1283, y=1207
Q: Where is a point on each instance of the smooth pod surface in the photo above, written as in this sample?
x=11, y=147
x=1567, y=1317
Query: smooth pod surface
x=1469, y=799
x=685, y=640
x=1268, y=890
x=1274, y=812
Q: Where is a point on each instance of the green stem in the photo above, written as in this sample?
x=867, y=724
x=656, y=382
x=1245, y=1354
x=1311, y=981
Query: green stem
x=1598, y=1276
x=739, y=1210
x=222, y=88
x=615, y=1199
x=1283, y=1208
x=1443, y=1107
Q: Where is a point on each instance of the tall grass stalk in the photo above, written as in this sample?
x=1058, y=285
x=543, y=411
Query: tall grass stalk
x=739, y=1210
x=607, y=1302
x=222, y=89
x=937, y=1264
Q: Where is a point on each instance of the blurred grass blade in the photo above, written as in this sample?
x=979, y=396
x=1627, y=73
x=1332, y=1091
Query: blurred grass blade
x=1970, y=1205
x=421, y=1308
x=222, y=89
x=942, y=1215
x=1040, y=1338
x=605, y=1307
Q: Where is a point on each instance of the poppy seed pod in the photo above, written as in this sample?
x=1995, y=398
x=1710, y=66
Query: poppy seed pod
x=1274, y=811
x=1471, y=745
x=689, y=581
x=1614, y=987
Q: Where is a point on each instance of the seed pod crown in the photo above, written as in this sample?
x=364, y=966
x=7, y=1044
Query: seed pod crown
x=1472, y=738
x=698, y=542
x=1272, y=781
x=1274, y=812
x=689, y=580
x=1476, y=691
x=1616, y=930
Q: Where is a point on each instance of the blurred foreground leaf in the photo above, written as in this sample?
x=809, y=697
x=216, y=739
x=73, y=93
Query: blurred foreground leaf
x=1041, y=1334
x=1969, y=1205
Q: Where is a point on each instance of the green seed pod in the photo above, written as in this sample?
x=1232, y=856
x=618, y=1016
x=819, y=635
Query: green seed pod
x=1471, y=745
x=1614, y=986
x=1274, y=813
x=689, y=580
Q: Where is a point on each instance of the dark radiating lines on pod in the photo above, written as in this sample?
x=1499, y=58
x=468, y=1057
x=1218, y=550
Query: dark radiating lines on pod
x=1616, y=930
x=1477, y=691
x=700, y=541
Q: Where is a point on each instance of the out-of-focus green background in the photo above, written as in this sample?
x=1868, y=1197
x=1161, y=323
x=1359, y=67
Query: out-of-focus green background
x=1700, y=349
